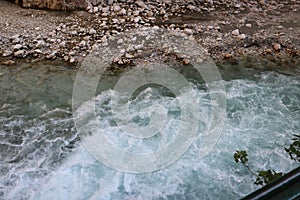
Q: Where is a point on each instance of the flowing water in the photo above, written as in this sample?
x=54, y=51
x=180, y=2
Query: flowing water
x=41, y=155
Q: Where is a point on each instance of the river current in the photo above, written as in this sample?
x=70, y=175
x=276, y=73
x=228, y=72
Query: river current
x=42, y=157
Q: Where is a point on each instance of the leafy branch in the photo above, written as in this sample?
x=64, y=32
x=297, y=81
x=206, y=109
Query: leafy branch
x=294, y=149
x=266, y=177
x=262, y=177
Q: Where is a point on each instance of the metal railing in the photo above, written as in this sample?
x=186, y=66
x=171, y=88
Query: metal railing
x=286, y=187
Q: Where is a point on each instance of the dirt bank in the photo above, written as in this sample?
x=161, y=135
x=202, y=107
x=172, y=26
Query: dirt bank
x=230, y=31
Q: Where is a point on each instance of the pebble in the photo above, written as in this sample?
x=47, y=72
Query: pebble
x=227, y=55
x=86, y=38
x=82, y=43
x=17, y=46
x=235, y=32
x=261, y=2
x=268, y=51
x=155, y=28
x=115, y=21
x=96, y=9
x=116, y=8
x=139, y=46
x=92, y=31
x=16, y=40
x=141, y=4
x=122, y=11
x=185, y=61
x=72, y=53
x=105, y=9
x=136, y=13
x=72, y=60
x=15, y=36
x=162, y=11
x=188, y=31
x=66, y=58
x=73, y=32
x=19, y=53
x=128, y=56
x=248, y=25
x=277, y=46
x=38, y=51
x=136, y=19
x=40, y=43
x=62, y=44
x=120, y=41
x=51, y=55
x=241, y=36
x=7, y=53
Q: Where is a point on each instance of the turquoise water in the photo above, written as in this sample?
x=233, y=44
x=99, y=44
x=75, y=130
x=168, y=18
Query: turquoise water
x=42, y=157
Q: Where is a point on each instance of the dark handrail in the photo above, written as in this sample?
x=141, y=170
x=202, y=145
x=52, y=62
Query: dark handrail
x=286, y=187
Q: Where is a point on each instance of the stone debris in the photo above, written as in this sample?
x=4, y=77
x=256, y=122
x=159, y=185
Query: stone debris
x=218, y=30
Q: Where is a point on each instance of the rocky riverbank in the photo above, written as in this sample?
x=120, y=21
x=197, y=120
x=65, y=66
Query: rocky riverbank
x=229, y=31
